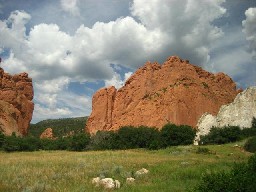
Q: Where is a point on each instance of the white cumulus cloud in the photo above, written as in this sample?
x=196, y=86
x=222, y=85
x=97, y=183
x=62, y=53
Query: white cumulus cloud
x=155, y=30
x=249, y=25
x=70, y=6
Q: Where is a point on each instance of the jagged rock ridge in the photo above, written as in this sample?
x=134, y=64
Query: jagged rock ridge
x=176, y=92
x=16, y=106
x=238, y=113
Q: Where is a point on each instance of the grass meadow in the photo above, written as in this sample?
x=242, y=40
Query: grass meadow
x=173, y=169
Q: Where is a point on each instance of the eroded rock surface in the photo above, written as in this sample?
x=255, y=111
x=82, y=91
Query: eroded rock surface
x=47, y=134
x=176, y=92
x=16, y=106
x=238, y=113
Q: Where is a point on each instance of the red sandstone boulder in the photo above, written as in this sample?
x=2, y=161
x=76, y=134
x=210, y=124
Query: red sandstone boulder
x=16, y=106
x=47, y=134
x=175, y=92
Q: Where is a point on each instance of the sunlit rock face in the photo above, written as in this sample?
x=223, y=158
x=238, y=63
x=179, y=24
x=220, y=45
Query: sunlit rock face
x=16, y=105
x=176, y=92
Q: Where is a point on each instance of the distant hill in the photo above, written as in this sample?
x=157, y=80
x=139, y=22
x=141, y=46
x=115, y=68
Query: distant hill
x=60, y=127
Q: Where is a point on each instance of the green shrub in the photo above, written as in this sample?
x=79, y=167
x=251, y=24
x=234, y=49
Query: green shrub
x=14, y=143
x=11, y=143
x=48, y=144
x=253, y=122
x=63, y=143
x=29, y=144
x=250, y=145
x=203, y=150
x=241, y=178
x=104, y=140
x=131, y=137
x=248, y=132
x=2, y=139
x=79, y=142
x=222, y=135
x=173, y=135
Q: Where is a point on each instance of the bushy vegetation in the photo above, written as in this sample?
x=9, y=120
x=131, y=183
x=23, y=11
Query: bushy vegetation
x=60, y=127
x=2, y=138
x=241, y=178
x=130, y=137
x=253, y=122
x=127, y=137
x=173, y=135
x=141, y=137
x=77, y=142
x=228, y=134
x=222, y=135
x=104, y=140
x=250, y=145
x=203, y=150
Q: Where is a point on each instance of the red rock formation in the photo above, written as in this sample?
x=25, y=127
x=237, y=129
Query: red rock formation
x=176, y=92
x=47, y=134
x=16, y=94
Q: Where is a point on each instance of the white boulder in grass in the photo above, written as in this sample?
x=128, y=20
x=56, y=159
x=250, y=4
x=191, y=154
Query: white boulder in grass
x=142, y=172
x=107, y=183
x=96, y=181
x=130, y=180
x=117, y=184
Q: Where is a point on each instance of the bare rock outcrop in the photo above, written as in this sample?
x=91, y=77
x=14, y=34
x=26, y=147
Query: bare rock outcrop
x=47, y=134
x=176, y=92
x=16, y=106
x=238, y=113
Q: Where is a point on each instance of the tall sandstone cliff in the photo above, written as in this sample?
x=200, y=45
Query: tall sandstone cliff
x=175, y=92
x=16, y=106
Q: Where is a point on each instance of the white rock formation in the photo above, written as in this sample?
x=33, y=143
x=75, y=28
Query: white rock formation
x=96, y=181
x=107, y=183
x=130, y=180
x=239, y=113
x=142, y=172
x=117, y=184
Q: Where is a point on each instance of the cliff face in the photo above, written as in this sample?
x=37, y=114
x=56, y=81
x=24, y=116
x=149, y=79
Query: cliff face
x=16, y=106
x=238, y=113
x=154, y=95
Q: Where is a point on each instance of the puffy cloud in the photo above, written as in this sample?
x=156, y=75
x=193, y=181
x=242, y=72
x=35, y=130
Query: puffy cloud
x=115, y=81
x=13, y=31
x=60, y=104
x=155, y=30
x=249, y=25
x=230, y=55
x=42, y=112
x=52, y=86
x=70, y=6
x=127, y=76
x=186, y=26
x=87, y=54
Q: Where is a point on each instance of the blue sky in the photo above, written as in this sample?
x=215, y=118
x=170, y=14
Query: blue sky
x=71, y=48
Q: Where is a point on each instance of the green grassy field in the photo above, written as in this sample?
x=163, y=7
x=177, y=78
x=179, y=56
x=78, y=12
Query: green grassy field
x=172, y=169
